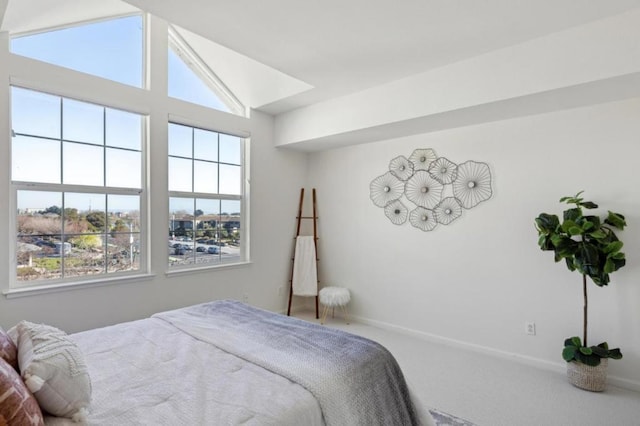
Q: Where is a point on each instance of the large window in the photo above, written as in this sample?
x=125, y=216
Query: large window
x=205, y=189
x=84, y=170
x=77, y=168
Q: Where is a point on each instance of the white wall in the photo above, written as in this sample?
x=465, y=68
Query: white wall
x=478, y=280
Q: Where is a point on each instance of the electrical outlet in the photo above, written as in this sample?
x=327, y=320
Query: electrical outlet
x=530, y=328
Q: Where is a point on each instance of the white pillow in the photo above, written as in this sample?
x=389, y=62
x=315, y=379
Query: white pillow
x=54, y=370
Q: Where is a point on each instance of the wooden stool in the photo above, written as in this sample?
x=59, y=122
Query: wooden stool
x=331, y=297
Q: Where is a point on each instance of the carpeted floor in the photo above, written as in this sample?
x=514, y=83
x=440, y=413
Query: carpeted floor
x=444, y=419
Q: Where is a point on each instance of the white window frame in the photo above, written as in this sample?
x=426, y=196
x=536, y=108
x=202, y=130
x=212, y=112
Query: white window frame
x=243, y=198
x=68, y=188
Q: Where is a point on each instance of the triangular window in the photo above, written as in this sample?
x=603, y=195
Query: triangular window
x=191, y=79
x=110, y=49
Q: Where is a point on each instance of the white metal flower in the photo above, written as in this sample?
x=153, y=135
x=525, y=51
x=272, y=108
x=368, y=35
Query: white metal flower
x=423, y=219
x=443, y=170
x=473, y=184
x=423, y=190
x=396, y=212
x=447, y=210
x=385, y=188
x=422, y=158
x=401, y=168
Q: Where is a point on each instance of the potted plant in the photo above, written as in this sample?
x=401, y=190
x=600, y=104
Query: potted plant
x=589, y=246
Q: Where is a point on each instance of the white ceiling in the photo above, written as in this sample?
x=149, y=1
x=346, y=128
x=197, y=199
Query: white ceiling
x=340, y=47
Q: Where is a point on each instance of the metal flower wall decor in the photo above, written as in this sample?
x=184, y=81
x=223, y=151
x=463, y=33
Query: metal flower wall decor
x=430, y=190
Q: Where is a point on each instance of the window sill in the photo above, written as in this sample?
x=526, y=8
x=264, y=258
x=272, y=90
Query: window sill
x=55, y=288
x=186, y=271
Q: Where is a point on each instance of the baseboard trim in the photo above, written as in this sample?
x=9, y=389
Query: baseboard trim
x=557, y=367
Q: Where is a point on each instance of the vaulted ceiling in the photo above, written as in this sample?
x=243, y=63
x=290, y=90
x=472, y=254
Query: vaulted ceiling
x=332, y=48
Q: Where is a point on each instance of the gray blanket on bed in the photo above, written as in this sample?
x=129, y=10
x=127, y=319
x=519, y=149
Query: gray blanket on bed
x=355, y=380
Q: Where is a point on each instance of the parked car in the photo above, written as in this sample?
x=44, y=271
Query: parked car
x=180, y=251
x=201, y=249
x=213, y=250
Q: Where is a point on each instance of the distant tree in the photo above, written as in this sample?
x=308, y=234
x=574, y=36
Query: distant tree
x=39, y=225
x=53, y=209
x=119, y=226
x=97, y=221
x=86, y=242
x=199, y=212
x=71, y=215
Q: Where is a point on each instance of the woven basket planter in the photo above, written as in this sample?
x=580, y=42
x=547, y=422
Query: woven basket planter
x=588, y=377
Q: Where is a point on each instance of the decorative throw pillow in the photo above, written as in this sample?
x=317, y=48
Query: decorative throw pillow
x=8, y=350
x=17, y=404
x=53, y=368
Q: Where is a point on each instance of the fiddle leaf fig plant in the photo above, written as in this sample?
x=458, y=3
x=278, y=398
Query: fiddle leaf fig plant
x=588, y=245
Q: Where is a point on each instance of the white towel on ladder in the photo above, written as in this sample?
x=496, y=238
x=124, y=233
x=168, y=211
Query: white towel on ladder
x=305, y=274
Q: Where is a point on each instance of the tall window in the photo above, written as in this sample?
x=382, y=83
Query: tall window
x=205, y=189
x=77, y=169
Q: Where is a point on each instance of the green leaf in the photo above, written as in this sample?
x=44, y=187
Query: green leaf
x=575, y=341
x=615, y=353
x=586, y=226
x=572, y=200
x=613, y=247
x=609, y=266
x=616, y=220
x=598, y=234
x=575, y=230
x=572, y=214
x=547, y=222
x=585, y=350
x=589, y=205
x=568, y=353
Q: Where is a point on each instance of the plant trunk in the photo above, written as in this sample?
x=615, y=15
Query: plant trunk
x=584, y=321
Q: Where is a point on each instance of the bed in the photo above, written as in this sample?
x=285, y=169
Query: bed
x=228, y=363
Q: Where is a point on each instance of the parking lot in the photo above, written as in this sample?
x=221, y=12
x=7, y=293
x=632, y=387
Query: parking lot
x=187, y=252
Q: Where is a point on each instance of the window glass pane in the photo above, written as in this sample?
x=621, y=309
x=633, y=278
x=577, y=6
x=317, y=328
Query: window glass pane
x=230, y=149
x=109, y=49
x=207, y=212
x=123, y=253
x=85, y=255
x=230, y=230
x=82, y=122
x=180, y=141
x=124, y=168
x=34, y=113
x=83, y=164
x=123, y=129
x=230, y=179
x=205, y=145
x=39, y=227
x=123, y=212
x=35, y=160
x=89, y=209
x=186, y=85
x=180, y=176
x=181, y=246
x=205, y=177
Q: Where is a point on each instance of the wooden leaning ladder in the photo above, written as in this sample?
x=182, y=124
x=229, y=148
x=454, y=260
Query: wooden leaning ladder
x=315, y=242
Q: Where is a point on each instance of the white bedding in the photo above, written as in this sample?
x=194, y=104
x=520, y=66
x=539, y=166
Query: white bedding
x=147, y=372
